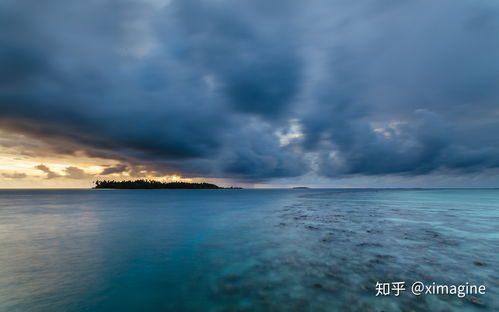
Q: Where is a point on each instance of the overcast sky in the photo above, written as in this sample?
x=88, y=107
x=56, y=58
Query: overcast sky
x=250, y=92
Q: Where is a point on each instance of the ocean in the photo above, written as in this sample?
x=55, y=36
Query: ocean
x=247, y=250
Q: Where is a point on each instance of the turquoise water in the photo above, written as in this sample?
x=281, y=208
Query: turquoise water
x=245, y=250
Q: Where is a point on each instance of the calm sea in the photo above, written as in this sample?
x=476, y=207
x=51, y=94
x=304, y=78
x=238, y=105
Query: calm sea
x=245, y=250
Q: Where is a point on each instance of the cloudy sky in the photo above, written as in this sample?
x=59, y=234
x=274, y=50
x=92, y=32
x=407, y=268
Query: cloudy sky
x=250, y=92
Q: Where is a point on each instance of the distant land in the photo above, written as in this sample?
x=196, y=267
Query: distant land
x=152, y=184
x=300, y=187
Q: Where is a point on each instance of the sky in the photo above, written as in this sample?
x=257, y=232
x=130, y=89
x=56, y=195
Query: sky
x=257, y=93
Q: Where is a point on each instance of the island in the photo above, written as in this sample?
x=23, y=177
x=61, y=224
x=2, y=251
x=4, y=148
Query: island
x=300, y=188
x=153, y=184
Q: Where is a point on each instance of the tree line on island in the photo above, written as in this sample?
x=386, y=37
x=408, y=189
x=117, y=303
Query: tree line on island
x=153, y=184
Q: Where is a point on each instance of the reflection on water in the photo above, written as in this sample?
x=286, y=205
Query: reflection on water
x=245, y=250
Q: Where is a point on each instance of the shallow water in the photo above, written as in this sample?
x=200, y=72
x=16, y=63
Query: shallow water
x=245, y=250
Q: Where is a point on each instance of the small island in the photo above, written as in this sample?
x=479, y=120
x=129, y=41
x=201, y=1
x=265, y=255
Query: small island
x=300, y=188
x=152, y=184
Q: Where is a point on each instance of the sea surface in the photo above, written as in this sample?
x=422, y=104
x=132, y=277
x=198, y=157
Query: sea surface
x=245, y=250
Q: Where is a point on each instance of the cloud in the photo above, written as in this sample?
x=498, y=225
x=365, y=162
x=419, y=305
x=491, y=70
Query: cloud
x=203, y=88
x=50, y=174
x=257, y=157
x=70, y=172
x=120, y=168
x=14, y=175
x=422, y=146
x=75, y=173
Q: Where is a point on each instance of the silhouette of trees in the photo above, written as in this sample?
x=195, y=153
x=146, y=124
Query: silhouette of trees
x=151, y=184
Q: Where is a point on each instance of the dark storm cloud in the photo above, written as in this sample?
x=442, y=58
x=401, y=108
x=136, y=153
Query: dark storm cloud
x=404, y=99
x=202, y=87
x=248, y=49
x=258, y=158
